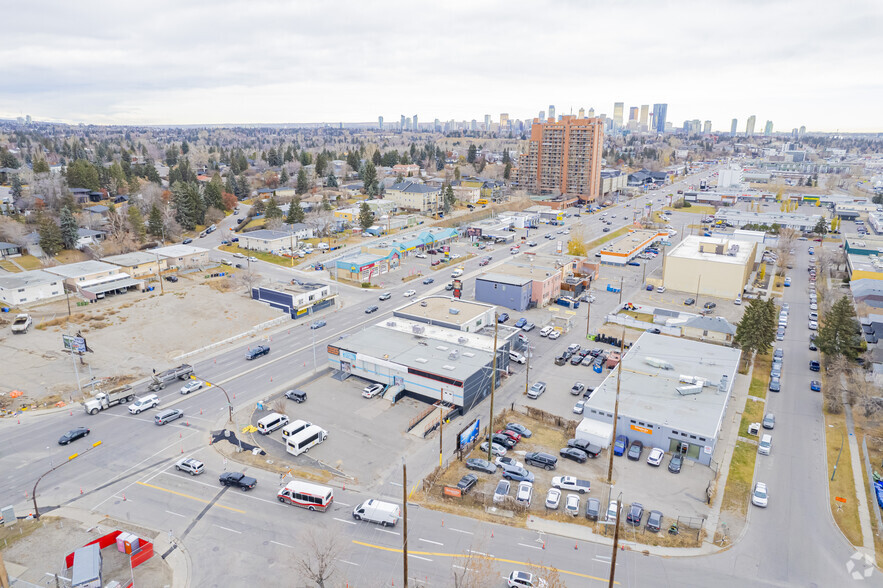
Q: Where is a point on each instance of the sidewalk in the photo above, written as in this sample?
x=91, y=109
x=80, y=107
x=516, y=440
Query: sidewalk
x=855, y=456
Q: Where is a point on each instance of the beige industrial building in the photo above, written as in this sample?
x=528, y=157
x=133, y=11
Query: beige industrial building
x=710, y=266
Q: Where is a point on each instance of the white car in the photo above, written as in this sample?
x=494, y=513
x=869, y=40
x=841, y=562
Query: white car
x=656, y=456
x=497, y=449
x=759, y=496
x=372, y=390
x=612, y=510
x=143, y=403
x=192, y=466
x=410, y=293
x=544, y=332
x=191, y=386
x=501, y=493
x=579, y=406
x=420, y=256
x=660, y=289
x=525, y=580
x=571, y=506
x=553, y=498
x=554, y=334
x=509, y=462
x=813, y=326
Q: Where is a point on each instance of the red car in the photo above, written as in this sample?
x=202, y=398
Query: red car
x=511, y=434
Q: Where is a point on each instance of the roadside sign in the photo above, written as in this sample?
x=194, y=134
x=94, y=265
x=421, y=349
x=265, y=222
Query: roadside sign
x=75, y=344
x=840, y=499
x=453, y=492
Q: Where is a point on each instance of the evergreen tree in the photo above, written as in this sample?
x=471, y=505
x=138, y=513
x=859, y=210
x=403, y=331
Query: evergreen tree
x=136, y=223
x=507, y=172
x=753, y=331
x=838, y=335
x=366, y=219
x=370, y=179
x=506, y=158
x=325, y=204
x=154, y=222
x=185, y=147
x=243, y=189
x=7, y=159
x=213, y=193
x=183, y=201
x=295, y=212
x=230, y=185
x=284, y=177
x=332, y=181
x=82, y=174
x=50, y=236
x=321, y=164
x=352, y=160
x=821, y=227
x=171, y=156
x=302, y=184
x=15, y=190
x=448, y=199
x=273, y=210
x=41, y=167
x=306, y=158
x=377, y=159
x=69, y=228
x=470, y=154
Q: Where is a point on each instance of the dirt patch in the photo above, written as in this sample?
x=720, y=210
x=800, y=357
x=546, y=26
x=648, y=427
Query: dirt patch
x=42, y=546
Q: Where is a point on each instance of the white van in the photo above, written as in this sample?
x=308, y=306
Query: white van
x=271, y=422
x=456, y=273
x=322, y=246
x=765, y=444
x=301, y=442
x=294, y=428
x=544, y=332
x=375, y=511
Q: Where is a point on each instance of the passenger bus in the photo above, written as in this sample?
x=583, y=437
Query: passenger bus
x=306, y=495
x=302, y=441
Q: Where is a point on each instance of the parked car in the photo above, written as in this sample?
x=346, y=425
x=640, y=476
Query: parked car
x=171, y=279
x=635, y=450
x=690, y=301
x=635, y=514
x=654, y=521
x=528, y=327
x=510, y=462
x=571, y=505
x=501, y=492
x=585, y=446
x=769, y=421
x=496, y=449
x=619, y=446
x=656, y=456
x=504, y=316
x=674, y=465
x=540, y=459
x=511, y=434
x=815, y=386
x=544, y=332
x=553, y=498
x=579, y=406
x=517, y=474
x=593, y=509
x=775, y=385
x=467, y=483
x=372, y=390
x=536, y=390
x=814, y=366
x=73, y=435
x=759, y=496
x=504, y=440
x=612, y=510
x=573, y=453
x=520, y=323
x=296, y=395
x=519, y=579
x=520, y=429
x=709, y=305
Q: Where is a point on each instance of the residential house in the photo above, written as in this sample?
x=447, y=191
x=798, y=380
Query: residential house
x=29, y=287
x=87, y=237
x=709, y=328
x=94, y=280
x=9, y=250
x=415, y=196
x=182, y=256
x=267, y=241
x=138, y=264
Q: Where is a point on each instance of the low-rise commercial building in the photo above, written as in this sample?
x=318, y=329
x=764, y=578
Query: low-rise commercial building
x=504, y=290
x=740, y=218
x=673, y=397
x=711, y=266
x=297, y=300
x=30, y=287
x=626, y=248
x=267, y=240
x=363, y=267
x=138, y=264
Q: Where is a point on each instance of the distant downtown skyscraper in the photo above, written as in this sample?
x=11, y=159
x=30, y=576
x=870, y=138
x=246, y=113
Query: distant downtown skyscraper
x=552, y=111
x=749, y=126
x=633, y=113
x=542, y=115
x=582, y=113
x=733, y=126
x=591, y=113
x=645, y=112
x=487, y=123
x=380, y=122
x=617, y=115
x=768, y=128
x=563, y=156
x=659, y=113
x=707, y=127
x=415, y=127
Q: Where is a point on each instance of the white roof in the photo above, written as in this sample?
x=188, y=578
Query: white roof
x=178, y=250
x=689, y=248
x=83, y=268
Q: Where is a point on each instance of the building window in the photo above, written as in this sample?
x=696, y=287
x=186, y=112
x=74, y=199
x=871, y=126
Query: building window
x=692, y=436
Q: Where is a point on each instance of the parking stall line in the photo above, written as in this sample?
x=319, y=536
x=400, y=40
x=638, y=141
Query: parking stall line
x=418, y=557
x=531, y=546
x=390, y=532
x=344, y=521
x=176, y=514
x=459, y=531
x=347, y=562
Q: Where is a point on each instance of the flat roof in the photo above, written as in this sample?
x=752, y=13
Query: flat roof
x=689, y=248
x=178, y=250
x=504, y=279
x=82, y=268
x=628, y=243
x=649, y=393
x=26, y=279
x=107, y=286
x=534, y=272
x=438, y=309
x=131, y=259
x=266, y=235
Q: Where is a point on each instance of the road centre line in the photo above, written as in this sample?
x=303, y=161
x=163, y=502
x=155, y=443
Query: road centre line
x=242, y=494
x=176, y=514
x=189, y=496
x=499, y=559
x=428, y=541
x=531, y=546
x=282, y=544
x=228, y=529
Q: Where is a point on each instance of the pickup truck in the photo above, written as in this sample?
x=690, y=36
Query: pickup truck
x=104, y=400
x=237, y=479
x=21, y=324
x=571, y=483
x=159, y=381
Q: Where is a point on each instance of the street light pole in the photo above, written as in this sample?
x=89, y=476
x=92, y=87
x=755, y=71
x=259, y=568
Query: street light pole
x=229, y=404
x=405, y=520
x=52, y=469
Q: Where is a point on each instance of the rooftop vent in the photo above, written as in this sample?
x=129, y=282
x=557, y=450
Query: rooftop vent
x=449, y=367
x=418, y=329
x=468, y=354
x=659, y=363
x=462, y=340
x=688, y=390
x=724, y=384
x=454, y=354
x=421, y=360
x=390, y=323
x=441, y=347
x=454, y=310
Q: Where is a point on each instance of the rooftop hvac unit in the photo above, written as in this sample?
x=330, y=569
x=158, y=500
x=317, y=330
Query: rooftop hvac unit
x=390, y=323
x=724, y=384
x=462, y=340
x=659, y=363
x=692, y=380
x=688, y=390
x=455, y=354
x=454, y=310
x=418, y=329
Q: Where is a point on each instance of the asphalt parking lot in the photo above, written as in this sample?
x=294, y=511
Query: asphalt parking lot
x=375, y=426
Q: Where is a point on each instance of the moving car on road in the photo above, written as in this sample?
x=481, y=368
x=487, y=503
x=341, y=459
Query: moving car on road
x=73, y=435
x=257, y=351
x=237, y=479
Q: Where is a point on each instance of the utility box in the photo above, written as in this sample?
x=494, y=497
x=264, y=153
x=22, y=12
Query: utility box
x=86, y=571
x=7, y=515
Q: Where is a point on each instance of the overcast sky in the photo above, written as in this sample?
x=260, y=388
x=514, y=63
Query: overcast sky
x=796, y=63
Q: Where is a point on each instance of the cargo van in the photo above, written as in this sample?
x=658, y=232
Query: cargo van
x=765, y=444
x=271, y=422
x=294, y=428
x=375, y=511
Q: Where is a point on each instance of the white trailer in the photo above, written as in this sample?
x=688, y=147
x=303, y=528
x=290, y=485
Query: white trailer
x=596, y=432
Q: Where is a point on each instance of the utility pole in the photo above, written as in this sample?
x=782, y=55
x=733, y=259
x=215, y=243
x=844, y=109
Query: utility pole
x=67, y=297
x=159, y=275
x=620, y=292
x=616, y=406
x=527, y=371
x=615, y=541
x=490, y=443
x=405, y=519
x=588, y=314
x=441, y=424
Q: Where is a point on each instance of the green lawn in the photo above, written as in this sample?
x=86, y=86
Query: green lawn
x=739, y=479
x=754, y=411
x=760, y=376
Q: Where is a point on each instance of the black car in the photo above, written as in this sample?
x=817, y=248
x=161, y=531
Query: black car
x=573, y=453
x=588, y=392
x=560, y=360
x=540, y=459
x=674, y=466
x=73, y=435
x=257, y=351
x=171, y=279
x=654, y=331
x=635, y=450
x=504, y=440
x=593, y=509
x=576, y=359
x=480, y=465
x=371, y=309
x=709, y=305
x=187, y=241
x=584, y=446
x=296, y=395
x=654, y=521
x=636, y=513
x=467, y=482
x=237, y=479
x=690, y=301
x=814, y=366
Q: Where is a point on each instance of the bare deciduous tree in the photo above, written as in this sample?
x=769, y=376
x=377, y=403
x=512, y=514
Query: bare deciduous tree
x=249, y=279
x=12, y=231
x=472, y=570
x=320, y=551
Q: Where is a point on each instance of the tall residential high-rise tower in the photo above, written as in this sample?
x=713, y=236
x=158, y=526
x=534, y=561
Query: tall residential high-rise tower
x=733, y=126
x=768, y=128
x=543, y=115
x=563, y=156
x=707, y=128
x=582, y=113
x=591, y=113
x=415, y=124
x=617, y=115
x=749, y=126
x=380, y=122
x=659, y=113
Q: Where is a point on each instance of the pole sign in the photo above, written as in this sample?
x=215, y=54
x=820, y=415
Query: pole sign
x=74, y=344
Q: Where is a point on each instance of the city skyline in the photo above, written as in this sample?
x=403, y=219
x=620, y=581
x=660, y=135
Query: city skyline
x=99, y=62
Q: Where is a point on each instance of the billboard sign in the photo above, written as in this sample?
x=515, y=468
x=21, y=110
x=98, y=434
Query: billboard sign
x=74, y=344
x=469, y=434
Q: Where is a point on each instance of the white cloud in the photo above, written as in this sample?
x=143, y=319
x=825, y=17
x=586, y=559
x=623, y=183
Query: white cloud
x=792, y=62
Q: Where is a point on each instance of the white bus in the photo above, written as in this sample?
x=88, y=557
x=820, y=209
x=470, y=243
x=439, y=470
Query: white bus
x=306, y=495
x=301, y=442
